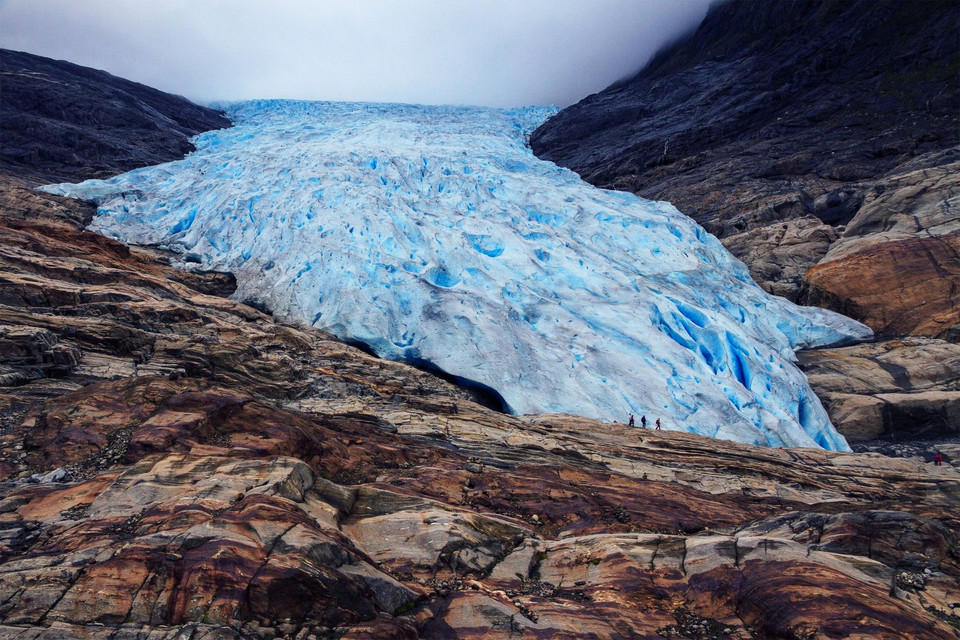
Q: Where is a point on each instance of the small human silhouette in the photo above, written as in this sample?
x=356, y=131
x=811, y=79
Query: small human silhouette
x=658, y=424
x=938, y=459
x=643, y=421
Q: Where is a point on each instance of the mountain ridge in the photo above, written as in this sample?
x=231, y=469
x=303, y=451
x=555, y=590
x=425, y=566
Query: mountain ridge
x=777, y=138
x=67, y=122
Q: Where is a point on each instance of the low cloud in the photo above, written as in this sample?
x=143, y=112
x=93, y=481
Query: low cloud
x=496, y=53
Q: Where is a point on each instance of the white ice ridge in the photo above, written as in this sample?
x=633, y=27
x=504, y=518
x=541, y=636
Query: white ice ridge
x=434, y=235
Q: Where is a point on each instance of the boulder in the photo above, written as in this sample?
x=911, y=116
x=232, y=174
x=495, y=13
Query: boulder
x=899, y=389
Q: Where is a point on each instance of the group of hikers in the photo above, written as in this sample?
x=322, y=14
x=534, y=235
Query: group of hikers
x=937, y=458
x=643, y=422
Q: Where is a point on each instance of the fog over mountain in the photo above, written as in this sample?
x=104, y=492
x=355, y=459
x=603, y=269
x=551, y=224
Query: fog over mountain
x=433, y=235
x=492, y=53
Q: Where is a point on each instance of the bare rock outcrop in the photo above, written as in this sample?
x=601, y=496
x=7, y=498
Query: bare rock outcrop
x=554, y=527
x=780, y=254
x=800, y=133
x=198, y=468
x=898, y=389
x=897, y=265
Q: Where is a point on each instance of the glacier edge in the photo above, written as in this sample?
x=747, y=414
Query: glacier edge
x=434, y=234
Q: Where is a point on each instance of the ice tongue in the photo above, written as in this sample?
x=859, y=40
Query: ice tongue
x=433, y=235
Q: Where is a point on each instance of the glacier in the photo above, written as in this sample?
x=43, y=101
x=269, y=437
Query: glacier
x=433, y=235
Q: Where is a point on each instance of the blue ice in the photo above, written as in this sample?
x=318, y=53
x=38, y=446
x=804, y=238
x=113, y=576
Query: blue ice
x=434, y=231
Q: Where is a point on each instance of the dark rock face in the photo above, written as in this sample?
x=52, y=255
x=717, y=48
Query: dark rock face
x=63, y=122
x=772, y=124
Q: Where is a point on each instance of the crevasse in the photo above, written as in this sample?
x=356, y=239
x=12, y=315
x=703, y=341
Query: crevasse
x=432, y=234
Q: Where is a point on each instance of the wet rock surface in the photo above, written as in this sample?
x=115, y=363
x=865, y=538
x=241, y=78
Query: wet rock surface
x=175, y=462
x=817, y=140
x=61, y=121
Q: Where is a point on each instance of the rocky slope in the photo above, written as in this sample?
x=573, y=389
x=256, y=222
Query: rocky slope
x=175, y=461
x=61, y=121
x=801, y=133
x=818, y=141
x=898, y=389
x=177, y=464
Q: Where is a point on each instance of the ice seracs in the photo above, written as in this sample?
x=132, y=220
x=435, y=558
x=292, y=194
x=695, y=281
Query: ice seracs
x=433, y=235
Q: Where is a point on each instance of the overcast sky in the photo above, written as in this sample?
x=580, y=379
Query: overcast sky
x=484, y=52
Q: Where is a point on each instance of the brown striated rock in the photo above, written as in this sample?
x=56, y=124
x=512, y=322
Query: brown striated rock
x=461, y=519
x=192, y=551
x=901, y=540
x=236, y=537
x=905, y=389
x=896, y=267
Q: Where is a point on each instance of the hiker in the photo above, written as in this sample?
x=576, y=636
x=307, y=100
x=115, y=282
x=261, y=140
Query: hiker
x=631, y=420
x=938, y=459
x=658, y=424
x=643, y=421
